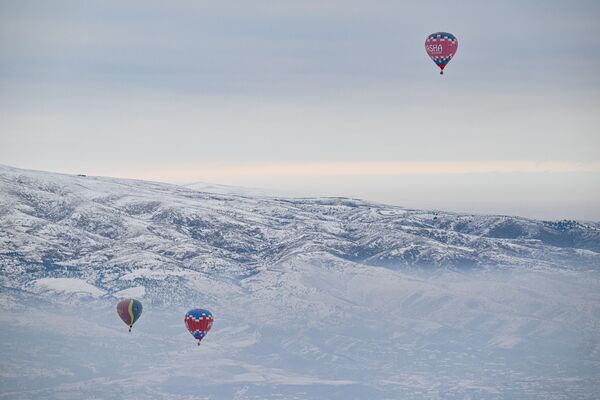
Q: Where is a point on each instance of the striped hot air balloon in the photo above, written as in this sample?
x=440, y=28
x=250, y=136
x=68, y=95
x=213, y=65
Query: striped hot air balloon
x=129, y=311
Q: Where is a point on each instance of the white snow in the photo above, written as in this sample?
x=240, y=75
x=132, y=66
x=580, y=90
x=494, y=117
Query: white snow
x=311, y=332
x=505, y=341
x=155, y=274
x=68, y=285
x=136, y=292
x=312, y=298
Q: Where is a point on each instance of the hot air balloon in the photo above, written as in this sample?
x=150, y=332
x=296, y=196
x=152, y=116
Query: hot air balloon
x=198, y=322
x=129, y=310
x=441, y=48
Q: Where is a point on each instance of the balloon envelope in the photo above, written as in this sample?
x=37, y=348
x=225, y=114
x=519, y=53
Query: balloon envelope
x=441, y=47
x=198, y=322
x=129, y=310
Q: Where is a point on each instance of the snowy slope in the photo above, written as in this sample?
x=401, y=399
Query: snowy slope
x=325, y=298
x=321, y=332
x=235, y=190
x=116, y=233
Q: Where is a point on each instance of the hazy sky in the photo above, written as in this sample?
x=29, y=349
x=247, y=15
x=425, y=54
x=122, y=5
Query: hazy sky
x=313, y=98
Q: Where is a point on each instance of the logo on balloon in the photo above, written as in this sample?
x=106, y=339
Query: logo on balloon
x=433, y=48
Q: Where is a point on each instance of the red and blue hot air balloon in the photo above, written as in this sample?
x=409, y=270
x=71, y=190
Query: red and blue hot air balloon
x=129, y=310
x=198, y=322
x=441, y=47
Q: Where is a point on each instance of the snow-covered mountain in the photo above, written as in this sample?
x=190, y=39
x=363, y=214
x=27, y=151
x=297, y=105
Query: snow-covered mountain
x=115, y=233
x=322, y=298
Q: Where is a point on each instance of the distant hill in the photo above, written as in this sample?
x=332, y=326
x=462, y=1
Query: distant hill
x=116, y=234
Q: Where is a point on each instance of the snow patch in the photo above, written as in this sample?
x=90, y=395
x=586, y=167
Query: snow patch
x=154, y=274
x=132, y=292
x=505, y=341
x=68, y=285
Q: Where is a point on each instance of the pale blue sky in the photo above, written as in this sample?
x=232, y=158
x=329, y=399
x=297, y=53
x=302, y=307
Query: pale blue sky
x=197, y=90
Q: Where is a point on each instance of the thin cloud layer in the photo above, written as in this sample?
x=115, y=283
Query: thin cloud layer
x=260, y=89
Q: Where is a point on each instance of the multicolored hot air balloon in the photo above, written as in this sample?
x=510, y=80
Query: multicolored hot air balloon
x=129, y=310
x=441, y=47
x=198, y=322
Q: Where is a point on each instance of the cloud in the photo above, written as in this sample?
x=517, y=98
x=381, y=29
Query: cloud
x=277, y=89
x=332, y=169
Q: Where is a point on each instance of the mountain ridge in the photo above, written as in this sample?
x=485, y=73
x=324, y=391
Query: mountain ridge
x=102, y=229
